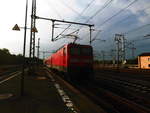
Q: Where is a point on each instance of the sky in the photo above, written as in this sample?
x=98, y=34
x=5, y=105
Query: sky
x=110, y=17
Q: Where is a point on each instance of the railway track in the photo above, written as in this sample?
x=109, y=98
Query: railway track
x=91, y=94
x=132, y=85
x=132, y=91
x=133, y=74
x=118, y=103
x=110, y=102
x=10, y=74
x=9, y=70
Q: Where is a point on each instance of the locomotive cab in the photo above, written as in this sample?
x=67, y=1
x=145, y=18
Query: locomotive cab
x=80, y=61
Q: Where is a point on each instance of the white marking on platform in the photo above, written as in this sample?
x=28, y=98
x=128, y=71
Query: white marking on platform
x=64, y=96
x=5, y=96
x=10, y=78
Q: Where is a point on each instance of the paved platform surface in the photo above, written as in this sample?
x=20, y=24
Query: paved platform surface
x=40, y=96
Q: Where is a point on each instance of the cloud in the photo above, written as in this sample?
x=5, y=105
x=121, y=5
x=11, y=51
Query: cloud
x=70, y=10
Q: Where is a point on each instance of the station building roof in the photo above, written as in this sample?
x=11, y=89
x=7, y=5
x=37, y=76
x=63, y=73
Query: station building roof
x=145, y=54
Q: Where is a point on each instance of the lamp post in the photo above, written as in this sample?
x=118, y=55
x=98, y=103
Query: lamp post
x=16, y=27
x=24, y=48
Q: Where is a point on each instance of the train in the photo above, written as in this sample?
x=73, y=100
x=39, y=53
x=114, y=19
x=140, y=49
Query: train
x=74, y=60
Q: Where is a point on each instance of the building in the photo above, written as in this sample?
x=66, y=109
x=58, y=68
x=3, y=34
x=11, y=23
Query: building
x=144, y=61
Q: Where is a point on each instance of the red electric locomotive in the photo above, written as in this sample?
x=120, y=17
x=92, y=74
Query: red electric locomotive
x=74, y=59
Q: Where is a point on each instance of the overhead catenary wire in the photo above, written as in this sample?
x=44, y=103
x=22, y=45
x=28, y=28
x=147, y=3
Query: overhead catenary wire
x=136, y=29
x=58, y=14
x=108, y=2
x=65, y=28
x=87, y=6
x=142, y=45
x=124, y=19
x=118, y=13
x=75, y=11
x=79, y=15
x=140, y=39
x=96, y=36
x=110, y=17
x=54, y=9
x=131, y=15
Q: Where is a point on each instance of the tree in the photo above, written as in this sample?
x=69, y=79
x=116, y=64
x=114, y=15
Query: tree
x=6, y=58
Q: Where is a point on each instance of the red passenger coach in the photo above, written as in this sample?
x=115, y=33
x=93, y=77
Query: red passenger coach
x=74, y=59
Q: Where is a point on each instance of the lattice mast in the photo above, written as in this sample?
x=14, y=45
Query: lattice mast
x=32, y=34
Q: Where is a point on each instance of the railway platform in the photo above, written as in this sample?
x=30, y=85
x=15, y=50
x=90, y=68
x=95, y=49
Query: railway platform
x=41, y=95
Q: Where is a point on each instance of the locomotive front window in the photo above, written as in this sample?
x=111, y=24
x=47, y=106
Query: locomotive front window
x=86, y=51
x=64, y=51
x=75, y=51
